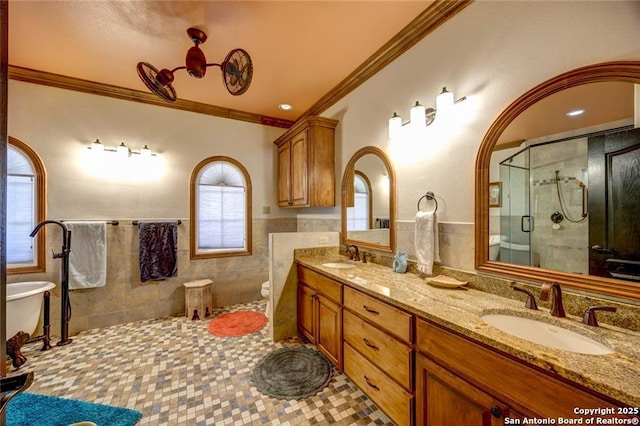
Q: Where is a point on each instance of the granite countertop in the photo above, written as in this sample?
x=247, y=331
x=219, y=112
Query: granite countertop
x=616, y=374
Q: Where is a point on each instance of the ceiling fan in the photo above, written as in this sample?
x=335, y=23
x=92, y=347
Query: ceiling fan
x=237, y=70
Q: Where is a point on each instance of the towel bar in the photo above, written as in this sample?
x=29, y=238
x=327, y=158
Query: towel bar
x=109, y=222
x=431, y=197
x=135, y=222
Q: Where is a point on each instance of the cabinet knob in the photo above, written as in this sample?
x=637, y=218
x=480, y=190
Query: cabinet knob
x=496, y=412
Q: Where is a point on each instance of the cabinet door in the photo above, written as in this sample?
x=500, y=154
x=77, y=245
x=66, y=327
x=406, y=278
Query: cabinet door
x=284, y=175
x=306, y=322
x=299, y=169
x=443, y=399
x=329, y=331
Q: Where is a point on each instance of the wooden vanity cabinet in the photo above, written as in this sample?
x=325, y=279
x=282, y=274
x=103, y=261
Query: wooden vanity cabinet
x=483, y=387
x=442, y=398
x=320, y=313
x=306, y=164
x=378, y=353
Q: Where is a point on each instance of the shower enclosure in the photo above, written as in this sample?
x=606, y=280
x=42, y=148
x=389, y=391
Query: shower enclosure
x=572, y=205
x=543, y=217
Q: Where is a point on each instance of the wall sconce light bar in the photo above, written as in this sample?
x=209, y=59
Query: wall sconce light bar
x=122, y=149
x=444, y=104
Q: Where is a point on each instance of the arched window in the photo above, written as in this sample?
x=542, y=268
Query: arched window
x=359, y=217
x=26, y=200
x=220, y=209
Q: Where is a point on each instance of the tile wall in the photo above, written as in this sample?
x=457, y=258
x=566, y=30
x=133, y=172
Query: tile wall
x=125, y=298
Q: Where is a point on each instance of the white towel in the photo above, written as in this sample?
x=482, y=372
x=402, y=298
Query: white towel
x=427, y=250
x=88, y=258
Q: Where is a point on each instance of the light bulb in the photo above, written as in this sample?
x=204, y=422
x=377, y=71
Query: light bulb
x=97, y=147
x=146, y=151
x=395, y=125
x=444, y=103
x=417, y=116
x=122, y=150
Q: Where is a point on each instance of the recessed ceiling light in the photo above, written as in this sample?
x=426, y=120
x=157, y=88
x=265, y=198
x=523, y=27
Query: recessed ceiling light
x=285, y=107
x=575, y=112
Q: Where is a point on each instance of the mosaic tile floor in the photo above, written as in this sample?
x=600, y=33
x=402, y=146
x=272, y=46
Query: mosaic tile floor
x=176, y=373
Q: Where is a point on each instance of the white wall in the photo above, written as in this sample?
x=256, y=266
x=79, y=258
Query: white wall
x=60, y=124
x=491, y=52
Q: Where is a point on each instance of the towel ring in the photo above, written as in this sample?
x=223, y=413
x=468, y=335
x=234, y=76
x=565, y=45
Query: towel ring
x=431, y=197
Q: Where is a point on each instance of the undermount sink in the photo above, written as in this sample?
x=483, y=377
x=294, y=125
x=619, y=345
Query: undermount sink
x=339, y=265
x=544, y=333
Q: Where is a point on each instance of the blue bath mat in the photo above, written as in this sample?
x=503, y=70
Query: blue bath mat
x=28, y=409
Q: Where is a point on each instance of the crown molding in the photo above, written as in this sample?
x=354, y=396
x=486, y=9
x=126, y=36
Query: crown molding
x=428, y=21
x=101, y=89
x=424, y=24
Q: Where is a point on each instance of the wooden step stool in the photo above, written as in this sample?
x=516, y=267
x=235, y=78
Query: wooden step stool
x=198, y=299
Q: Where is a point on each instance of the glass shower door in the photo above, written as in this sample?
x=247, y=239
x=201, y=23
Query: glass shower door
x=516, y=223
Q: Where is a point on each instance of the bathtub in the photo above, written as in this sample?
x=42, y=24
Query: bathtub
x=24, y=305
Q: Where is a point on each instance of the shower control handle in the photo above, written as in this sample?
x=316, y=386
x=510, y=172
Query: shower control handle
x=600, y=250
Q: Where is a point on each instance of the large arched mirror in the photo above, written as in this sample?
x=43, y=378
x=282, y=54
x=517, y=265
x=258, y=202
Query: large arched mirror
x=558, y=183
x=369, y=200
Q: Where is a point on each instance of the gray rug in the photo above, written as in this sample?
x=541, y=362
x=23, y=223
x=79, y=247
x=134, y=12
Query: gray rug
x=292, y=373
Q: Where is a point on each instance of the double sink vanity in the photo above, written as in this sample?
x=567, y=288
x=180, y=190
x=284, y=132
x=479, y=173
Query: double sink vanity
x=460, y=356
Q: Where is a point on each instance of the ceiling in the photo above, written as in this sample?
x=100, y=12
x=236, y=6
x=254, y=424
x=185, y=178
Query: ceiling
x=301, y=50
x=602, y=102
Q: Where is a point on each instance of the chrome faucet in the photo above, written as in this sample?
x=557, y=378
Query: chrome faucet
x=557, y=310
x=531, y=299
x=353, y=255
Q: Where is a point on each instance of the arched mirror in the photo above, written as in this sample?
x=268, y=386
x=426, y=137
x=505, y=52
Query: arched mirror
x=369, y=200
x=558, y=183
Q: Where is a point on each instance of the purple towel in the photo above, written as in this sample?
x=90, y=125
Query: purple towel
x=158, y=250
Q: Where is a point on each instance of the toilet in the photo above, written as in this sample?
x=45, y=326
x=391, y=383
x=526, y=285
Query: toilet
x=494, y=247
x=265, y=290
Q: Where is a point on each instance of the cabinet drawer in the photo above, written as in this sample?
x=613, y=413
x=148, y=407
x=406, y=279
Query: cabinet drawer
x=330, y=288
x=506, y=379
x=391, y=355
x=396, y=402
x=383, y=315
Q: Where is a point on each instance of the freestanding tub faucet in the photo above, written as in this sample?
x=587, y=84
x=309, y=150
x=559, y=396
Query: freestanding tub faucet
x=557, y=310
x=65, y=314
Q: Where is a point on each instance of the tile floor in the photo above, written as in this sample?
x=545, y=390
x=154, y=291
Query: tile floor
x=176, y=373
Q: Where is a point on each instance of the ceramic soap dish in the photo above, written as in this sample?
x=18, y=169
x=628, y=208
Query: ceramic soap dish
x=445, y=282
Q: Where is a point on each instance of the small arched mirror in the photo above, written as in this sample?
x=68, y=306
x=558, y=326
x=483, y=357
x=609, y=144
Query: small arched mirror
x=557, y=183
x=369, y=200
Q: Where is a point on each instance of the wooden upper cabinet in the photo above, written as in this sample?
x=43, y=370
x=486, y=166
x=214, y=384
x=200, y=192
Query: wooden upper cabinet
x=306, y=164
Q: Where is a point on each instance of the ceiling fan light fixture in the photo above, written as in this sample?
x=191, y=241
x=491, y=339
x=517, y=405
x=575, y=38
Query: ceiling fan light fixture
x=237, y=70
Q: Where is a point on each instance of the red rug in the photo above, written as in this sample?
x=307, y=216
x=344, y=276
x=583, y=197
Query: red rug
x=235, y=324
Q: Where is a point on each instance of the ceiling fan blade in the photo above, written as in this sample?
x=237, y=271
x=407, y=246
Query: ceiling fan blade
x=237, y=71
x=158, y=82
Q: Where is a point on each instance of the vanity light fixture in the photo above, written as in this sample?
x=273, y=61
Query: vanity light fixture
x=421, y=117
x=121, y=150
